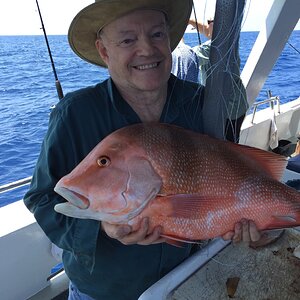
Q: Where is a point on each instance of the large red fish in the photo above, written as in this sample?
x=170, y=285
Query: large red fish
x=195, y=186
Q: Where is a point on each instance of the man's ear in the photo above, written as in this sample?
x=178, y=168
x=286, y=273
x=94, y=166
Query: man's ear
x=102, y=50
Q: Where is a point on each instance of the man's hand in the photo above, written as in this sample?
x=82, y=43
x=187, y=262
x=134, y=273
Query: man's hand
x=126, y=236
x=204, y=28
x=244, y=231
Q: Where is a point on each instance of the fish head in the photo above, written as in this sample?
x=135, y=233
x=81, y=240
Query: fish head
x=113, y=183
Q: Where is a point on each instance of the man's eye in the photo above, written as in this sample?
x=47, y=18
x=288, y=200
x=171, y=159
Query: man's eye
x=158, y=35
x=126, y=42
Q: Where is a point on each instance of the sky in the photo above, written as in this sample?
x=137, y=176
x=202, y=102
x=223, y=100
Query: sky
x=20, y=17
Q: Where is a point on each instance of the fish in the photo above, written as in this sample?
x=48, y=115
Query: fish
x=196, y=187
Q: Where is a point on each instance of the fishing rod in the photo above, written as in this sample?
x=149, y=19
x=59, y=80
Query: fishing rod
x=293, y=47
x=195, y=15
x=196, y=21
x=57, y=83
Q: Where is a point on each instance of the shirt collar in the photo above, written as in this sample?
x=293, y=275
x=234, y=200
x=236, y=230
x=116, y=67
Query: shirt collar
x=177, y=96
x=120, y=105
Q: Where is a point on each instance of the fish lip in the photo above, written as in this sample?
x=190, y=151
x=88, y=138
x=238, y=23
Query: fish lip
x=73, y=197
x=105, y=216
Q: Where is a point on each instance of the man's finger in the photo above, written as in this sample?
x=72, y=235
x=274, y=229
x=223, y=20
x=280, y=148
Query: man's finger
x=237, y=233
x=228, y=236
x=116, y=231
x=136, y=236
x=245, y=231
x=255, y=235
x=152, y=238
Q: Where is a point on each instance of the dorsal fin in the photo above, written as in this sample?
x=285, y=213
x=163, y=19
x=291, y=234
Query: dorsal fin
x=273, y=164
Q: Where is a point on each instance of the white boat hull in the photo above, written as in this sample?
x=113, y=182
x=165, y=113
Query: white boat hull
x=257, y=134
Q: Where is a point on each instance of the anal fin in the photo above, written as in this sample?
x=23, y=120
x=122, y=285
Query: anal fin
x=283, y=222
x=178, y=242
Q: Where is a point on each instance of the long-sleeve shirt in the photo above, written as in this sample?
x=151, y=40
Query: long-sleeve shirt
x=98, y=265
x=185, y=63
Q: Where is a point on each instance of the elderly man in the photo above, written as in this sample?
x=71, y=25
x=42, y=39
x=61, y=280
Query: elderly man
x=134, y=39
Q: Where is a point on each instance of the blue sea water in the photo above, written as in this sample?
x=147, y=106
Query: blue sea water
x=27, y=92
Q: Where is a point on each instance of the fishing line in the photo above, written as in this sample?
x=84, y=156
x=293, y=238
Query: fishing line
x=223, y=264
x=57, y=83
x=293, y=47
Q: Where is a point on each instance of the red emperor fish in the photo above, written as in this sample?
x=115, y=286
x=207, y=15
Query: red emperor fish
x=194, y=186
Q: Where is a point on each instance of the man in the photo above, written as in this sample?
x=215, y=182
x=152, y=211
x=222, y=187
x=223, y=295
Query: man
x=190, y=63
x=134, y=40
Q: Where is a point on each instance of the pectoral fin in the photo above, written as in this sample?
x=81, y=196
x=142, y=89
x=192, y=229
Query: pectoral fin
x=188, y=205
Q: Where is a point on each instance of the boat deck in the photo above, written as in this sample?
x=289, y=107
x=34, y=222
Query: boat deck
x=271, y=272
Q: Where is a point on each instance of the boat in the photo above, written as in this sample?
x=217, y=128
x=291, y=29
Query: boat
x=27, y=256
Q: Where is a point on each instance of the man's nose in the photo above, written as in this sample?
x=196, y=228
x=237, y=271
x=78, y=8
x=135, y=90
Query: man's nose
x=146, y=46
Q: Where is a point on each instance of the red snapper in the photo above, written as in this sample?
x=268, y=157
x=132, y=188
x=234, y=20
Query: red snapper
x=194, y=186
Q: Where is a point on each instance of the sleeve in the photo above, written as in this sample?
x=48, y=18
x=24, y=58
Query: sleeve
x=58, y=157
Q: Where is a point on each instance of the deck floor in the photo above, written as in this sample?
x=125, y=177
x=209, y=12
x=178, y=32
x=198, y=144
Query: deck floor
x=271, y=272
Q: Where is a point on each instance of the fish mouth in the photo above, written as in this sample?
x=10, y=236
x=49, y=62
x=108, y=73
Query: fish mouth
x=77, y=206
x=73, y=197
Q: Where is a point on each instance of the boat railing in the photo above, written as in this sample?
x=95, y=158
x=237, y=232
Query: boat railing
x=18, y=184
x=166, y=286
x=272, y=101
x=15, y=185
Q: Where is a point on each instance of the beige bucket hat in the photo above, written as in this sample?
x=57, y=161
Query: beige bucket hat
x=84, y=27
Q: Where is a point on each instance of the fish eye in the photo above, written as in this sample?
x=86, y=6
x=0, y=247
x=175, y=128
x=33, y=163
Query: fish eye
x=103, y=161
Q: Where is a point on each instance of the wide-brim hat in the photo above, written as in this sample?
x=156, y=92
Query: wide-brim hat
x=84, y=27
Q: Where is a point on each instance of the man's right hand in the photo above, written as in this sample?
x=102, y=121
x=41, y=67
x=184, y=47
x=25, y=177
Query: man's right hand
x=126, y=236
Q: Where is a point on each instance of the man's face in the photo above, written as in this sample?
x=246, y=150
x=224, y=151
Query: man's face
x=136, y=49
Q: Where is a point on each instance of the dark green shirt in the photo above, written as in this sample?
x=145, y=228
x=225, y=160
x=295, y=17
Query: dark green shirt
x=100, y=266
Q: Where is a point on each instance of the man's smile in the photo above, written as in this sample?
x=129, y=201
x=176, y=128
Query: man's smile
x=147, y=66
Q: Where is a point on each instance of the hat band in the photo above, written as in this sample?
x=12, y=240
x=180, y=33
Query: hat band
x=98, y=33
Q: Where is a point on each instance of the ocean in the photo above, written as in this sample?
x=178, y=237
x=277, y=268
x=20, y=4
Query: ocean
x=27, y=93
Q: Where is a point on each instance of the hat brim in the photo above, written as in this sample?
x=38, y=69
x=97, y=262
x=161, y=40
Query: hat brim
x=84, y=27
